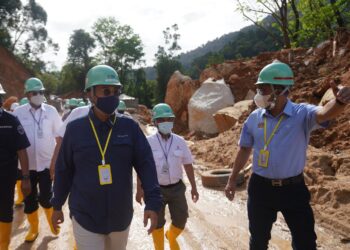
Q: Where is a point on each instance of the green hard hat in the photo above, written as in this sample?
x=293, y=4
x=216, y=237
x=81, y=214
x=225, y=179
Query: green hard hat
x=73, y=102
x=81, y=104
x=276, y=73
x=121, y=106
x=23, y=101
x=33, y=84
x=162, y=110
x=2, y=91
x=101, y=75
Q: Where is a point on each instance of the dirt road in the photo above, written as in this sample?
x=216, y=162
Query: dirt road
x=214, y=223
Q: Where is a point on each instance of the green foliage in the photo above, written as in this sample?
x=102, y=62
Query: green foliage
x=119, y=46
x=248, y=43
x=22, y=31
x=50, y=80
x=165, y=67
x=166, y=60
x=72, y=78
x=80, y=48
x=320, y=19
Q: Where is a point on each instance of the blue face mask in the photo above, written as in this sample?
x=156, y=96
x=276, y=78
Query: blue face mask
x=165, y=127
x=107, y=104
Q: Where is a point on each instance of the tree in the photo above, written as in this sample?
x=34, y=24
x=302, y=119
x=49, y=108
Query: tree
x=80, y=47
x=27, y=33
x=284, y=13
x=321, y=19
x=166, y=60
x=7, y=9
x=119, y=46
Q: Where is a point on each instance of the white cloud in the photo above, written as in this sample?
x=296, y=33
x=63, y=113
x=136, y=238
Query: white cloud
x=199, y=20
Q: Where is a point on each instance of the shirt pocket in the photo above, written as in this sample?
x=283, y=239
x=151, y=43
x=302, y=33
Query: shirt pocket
x=121, y=148
x=158, y=158
x=177, y=157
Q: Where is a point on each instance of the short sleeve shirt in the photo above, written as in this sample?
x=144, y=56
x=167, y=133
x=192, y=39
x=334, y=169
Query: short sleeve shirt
x=287, y=149
x=13, y=139
x=174, y=152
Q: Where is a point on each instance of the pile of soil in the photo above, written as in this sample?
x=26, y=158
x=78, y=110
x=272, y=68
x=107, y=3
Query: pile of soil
x=327, y=171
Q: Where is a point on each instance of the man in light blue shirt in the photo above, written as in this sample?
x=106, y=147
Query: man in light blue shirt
x=278, y=132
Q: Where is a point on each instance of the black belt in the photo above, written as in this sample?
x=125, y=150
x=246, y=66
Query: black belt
x=281, y=182
x=171, y=185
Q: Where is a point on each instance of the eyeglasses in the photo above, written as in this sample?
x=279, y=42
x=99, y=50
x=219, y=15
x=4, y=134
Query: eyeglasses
x=37, y=92
x=108, y=92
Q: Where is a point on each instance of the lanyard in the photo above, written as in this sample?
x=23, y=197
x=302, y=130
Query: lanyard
x=266, y=143
x=37, y=122
x=103, y=152
x=165, y=152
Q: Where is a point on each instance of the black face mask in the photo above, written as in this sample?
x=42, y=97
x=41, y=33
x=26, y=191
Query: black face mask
x=107, y=104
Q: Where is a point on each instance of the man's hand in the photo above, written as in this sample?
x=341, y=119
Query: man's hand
x=341, y=94
x=139, y=195
x=26, y=187
x=230, y=190
x=194, y=195
x=149, y=214
x=56, y=219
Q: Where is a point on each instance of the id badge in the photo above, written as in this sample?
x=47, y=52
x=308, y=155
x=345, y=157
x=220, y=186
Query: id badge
x=105, y=174
x=40, y=133
x=263, y=160
x=165, y=168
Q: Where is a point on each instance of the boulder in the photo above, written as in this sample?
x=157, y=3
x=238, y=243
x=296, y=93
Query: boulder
x=207, y=100
x=179, y=91
x=226, y=118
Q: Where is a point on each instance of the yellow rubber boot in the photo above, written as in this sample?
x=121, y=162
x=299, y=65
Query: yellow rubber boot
x=33, y=220
x=5, y=235
x=48, y=213
x=19, y=199
x=171, y=235
x=158, y=238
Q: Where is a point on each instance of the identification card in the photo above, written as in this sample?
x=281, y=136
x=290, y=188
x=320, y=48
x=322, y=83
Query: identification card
x=165, y=168
x=40, y=133
x=263, y=160
x=105, y=174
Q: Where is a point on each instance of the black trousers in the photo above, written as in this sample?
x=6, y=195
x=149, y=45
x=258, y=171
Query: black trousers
x=7, y=193
x=293, y=201
x=43, y=180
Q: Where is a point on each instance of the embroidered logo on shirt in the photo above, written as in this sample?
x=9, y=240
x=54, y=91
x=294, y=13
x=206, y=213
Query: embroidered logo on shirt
x=5, y=126
x=122, y=136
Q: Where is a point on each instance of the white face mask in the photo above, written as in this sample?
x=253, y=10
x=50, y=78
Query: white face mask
x=37, y=100
x=262, y=101
x=165, y=127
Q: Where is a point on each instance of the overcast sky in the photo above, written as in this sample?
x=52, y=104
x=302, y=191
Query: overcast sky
x=199, y=21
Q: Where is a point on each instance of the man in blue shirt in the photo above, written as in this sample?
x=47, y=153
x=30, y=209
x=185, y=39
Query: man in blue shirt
x=94, y=167
x=278, y=132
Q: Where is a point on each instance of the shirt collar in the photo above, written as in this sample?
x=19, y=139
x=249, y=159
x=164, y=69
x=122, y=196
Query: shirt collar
x=160, y=136
x=98, y=122
x=288, y=109
x=42, y=107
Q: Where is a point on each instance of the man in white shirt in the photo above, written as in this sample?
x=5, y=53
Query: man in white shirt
x=41, y=123
x=171, y=154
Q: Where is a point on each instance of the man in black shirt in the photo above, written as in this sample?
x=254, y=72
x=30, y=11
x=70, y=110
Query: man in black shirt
x=13, y=144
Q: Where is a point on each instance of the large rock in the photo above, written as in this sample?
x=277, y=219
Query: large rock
x=179, y=91
x=208, y=99
x=226, y=118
